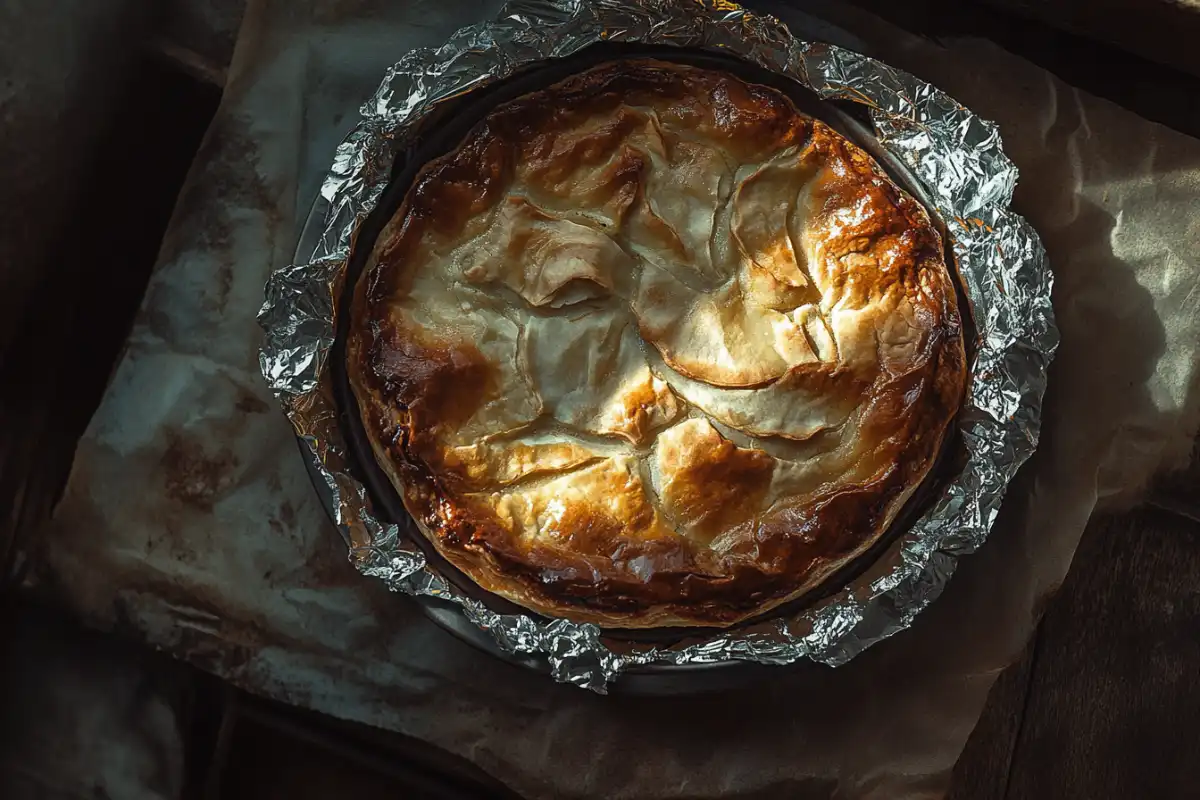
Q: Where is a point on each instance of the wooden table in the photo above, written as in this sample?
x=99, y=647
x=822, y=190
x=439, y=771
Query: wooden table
x=1104, y=702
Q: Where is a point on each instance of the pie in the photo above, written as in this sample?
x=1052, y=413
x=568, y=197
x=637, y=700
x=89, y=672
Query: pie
x=651, y=348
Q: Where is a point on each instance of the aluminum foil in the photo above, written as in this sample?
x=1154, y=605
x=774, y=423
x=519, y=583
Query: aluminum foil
x=957, y=156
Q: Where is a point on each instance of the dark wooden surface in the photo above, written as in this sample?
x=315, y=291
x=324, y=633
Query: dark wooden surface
x=1105, y=700
x=1162, y=30
x=1158, y=92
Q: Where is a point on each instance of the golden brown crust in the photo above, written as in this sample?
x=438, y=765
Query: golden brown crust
x=615, y=380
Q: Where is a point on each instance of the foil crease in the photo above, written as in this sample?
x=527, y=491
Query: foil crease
x=957, y=155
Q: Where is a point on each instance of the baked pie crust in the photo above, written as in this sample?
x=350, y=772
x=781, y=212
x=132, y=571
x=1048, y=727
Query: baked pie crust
x=653, y=348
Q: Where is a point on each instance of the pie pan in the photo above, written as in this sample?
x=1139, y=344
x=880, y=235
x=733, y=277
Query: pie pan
x=439, y=134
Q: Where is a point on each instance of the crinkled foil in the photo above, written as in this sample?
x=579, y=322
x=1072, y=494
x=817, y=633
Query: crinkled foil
x=957, y=156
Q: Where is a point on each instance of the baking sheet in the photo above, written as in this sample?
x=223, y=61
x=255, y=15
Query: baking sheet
x=162, y=529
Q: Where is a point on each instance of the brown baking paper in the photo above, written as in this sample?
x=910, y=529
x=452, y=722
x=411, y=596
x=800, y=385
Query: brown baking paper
x=190, y=519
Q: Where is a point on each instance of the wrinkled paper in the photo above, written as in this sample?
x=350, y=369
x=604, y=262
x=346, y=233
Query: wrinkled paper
x=191, y=523
x=958, y=157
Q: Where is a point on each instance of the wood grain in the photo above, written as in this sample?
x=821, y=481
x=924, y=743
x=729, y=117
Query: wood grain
x=1111, y=691
x=983, y=767
x=1114, y=699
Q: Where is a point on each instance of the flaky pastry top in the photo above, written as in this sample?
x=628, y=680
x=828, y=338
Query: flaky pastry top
x=651, y=347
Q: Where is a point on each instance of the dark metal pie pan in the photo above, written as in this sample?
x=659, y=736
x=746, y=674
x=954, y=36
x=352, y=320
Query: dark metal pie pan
x=439, y=134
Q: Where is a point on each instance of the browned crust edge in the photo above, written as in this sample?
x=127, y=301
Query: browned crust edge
x=796, y=551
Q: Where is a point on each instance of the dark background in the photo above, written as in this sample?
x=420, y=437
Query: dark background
x=103, y=104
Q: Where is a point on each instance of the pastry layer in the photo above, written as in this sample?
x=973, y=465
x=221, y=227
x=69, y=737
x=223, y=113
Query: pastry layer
x=651, y=347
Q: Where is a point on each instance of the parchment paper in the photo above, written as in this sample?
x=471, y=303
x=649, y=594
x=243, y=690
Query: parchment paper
x=190, y=521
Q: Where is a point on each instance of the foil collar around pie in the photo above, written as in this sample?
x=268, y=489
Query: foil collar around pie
x=957, y=157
